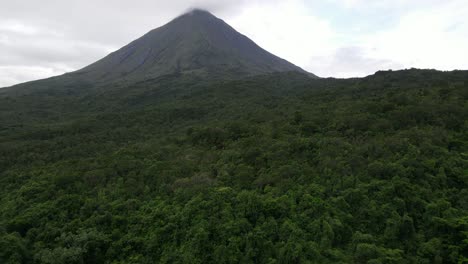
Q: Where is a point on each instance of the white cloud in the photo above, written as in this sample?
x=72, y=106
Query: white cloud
x=389, y=5
x=436, y=37
x=29, y=52
x=18, y=28
x=349, y=61
x=287, y=30
x=425, y=34
x=16, y=74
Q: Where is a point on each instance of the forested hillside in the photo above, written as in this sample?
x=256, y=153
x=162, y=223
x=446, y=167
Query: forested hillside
x=279, y=168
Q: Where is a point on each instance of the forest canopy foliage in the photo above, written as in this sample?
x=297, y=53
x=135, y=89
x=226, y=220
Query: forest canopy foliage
x=271, y=169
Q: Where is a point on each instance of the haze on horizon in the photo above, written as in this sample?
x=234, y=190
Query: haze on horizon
x=339, y=38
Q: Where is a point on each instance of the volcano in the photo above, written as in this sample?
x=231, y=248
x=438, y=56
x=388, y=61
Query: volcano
x=196, y=42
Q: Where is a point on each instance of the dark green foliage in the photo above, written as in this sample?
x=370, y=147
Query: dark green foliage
x=271, y=169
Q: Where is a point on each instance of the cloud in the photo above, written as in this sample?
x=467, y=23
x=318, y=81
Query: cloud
x=421, y=34
x=348, y=62
x=30, y=52
x=16, y=74
x=286, y=29
x=389, y=5
x=434, y=37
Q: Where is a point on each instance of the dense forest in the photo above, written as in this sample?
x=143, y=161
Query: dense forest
x=279, y=168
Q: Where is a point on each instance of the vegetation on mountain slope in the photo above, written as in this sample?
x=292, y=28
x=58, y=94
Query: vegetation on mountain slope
x=272, y=169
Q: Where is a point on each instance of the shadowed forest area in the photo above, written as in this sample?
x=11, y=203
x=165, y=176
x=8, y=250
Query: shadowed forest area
x=278, y=168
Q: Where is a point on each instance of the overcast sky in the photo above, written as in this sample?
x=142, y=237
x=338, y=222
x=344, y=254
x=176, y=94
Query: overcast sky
x=339, y=38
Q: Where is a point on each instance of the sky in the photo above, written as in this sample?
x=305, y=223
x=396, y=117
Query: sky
x=330, y=38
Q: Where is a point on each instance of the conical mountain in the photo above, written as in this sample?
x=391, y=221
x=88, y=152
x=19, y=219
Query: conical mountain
x=196, y=42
